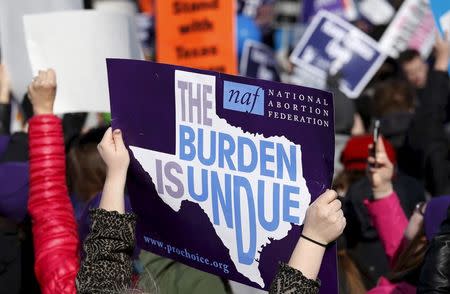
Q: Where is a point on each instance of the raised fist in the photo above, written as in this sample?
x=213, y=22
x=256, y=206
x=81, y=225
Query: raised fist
x=42, y=92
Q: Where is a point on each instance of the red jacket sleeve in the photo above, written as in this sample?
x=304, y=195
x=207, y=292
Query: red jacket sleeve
x=54, y=226
x=390, y=222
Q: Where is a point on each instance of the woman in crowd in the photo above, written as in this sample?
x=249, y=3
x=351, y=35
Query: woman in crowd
x=405, y=243
x=110, y=242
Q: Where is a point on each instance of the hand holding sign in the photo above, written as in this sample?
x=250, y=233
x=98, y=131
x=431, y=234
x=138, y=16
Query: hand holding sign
x=324, y=223
x=325, y=219
x=442, y=47
x=113, y=151
x=42, y=92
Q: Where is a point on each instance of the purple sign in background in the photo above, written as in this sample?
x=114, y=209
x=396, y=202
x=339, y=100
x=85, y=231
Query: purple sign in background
x=258, y=61
x=333, y=46
x=343, y=8
x=143, y=106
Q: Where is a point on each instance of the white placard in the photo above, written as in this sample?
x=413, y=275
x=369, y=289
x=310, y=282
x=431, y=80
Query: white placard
x=12, y=40
x=76, y=44
x=412, y=28
x=120, y=6
x=378, y=12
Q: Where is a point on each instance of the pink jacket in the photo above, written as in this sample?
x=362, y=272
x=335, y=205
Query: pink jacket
x=390, y=222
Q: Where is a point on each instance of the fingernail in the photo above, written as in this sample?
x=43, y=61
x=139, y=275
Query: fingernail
x=117, y=131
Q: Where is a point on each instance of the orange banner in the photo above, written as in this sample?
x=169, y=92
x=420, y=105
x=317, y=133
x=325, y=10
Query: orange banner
x=197, y=33
x=146, y=6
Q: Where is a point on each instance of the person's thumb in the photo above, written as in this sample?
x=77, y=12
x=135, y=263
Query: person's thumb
x=51, y=76
x=118, y=139
x=327, y=197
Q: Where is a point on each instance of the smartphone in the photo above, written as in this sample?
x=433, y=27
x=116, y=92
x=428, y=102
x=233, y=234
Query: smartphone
x=376, y=136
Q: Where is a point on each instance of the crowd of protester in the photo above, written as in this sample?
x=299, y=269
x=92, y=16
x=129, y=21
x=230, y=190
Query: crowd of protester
x=66, y=224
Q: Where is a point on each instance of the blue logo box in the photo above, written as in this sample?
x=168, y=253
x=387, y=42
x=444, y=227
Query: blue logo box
x=243, y=98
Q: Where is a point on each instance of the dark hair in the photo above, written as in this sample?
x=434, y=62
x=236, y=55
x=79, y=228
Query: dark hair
x=407, y=56
x=27, y=108
x=346, y=178
x=349, y=274
x=393, y=96
x=408, y=264
x=86, y=171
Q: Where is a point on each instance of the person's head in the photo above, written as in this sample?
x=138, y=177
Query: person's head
x=414, y=68
x=423, y=225
x=86, y=170
x=393, y=96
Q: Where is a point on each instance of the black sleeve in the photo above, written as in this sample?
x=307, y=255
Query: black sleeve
x=109, y=246
x=435, y=273
x=427, y=134
x=17, y=149
x=5, y=118
x=289, y=280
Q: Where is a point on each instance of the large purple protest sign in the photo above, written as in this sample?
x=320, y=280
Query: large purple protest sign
x=332, y=46
x=223, y=167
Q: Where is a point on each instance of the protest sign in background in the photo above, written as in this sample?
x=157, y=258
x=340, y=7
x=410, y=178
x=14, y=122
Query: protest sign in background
x=343, y=8
x=120, y=6
x=197, y=35
x=378, y=12
x=412, y=27
x=76, y=44
x=441, y=12
x=258, y=61
x=249, y=7
x=14, y=52
x=333, y=46
x=222, y=167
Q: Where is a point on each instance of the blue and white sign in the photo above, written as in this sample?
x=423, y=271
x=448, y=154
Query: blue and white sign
x=441, y=13
x=258, y=61
x=333, y=46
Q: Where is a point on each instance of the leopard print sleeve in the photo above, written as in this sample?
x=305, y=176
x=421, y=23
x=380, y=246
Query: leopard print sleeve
x=107, y=267
x=291, y=281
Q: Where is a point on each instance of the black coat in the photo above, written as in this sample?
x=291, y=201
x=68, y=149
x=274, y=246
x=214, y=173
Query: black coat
x=424, y=154
x=5, y=118
x=435, y=274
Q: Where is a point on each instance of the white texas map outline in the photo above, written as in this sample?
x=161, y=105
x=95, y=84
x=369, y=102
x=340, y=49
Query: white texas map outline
x=147, y=160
